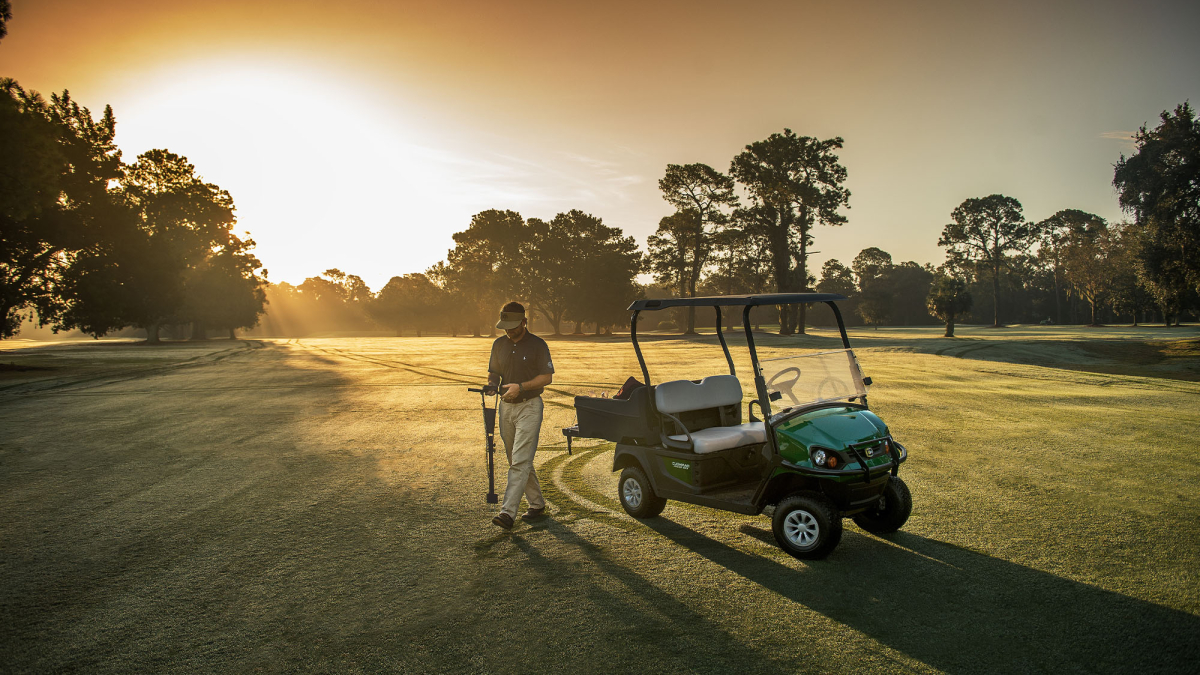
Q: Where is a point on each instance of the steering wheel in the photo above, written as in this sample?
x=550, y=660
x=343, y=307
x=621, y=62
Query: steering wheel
x=786, y=386
x=835, y=387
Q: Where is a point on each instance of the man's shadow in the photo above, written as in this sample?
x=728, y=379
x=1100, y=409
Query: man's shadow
x=958, y=610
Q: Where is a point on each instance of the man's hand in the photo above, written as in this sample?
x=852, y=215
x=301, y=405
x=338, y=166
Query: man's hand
x=509, y=392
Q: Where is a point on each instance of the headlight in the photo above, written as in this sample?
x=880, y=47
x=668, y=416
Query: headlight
x=818, y=457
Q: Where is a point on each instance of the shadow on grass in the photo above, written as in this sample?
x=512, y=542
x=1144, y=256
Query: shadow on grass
x=957, y=610
x=645, y=621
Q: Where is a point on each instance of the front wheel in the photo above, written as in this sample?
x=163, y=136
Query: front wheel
x=807, y=526
x=891, y=512
x=636, y=495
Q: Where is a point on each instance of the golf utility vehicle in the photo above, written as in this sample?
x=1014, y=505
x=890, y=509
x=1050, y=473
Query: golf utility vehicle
x=814, y=452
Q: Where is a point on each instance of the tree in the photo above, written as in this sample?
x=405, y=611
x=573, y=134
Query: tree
x=56, y=162
x=1160, y=185
x=983, y=232
x=1085, y=258
x=182, y=222
x=225, y=291
x=871, y=266
x=837, y=278
x=1053, y=234
x=550, y=252
x=909, y=284
x=605, y=268
x=741, y=262
x=5, y=17
x=795, y=182
x=948, y=298
x=412, y=300
x=669, y=251
x=700, y=192
x=1128, y=291
x=483, y=262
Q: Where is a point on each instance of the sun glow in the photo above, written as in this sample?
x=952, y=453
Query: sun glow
x=323, y=174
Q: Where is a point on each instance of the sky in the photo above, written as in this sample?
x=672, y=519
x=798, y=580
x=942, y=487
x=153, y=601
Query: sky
x=362, y=134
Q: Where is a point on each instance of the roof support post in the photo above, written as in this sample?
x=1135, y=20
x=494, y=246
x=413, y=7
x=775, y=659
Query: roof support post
x=760, y=385
x=636, y=347
x=837, y=313
x=724, y=346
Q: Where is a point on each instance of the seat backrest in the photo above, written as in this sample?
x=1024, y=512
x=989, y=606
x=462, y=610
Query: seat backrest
x=714, y=391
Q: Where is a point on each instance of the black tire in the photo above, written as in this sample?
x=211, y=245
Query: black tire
x=636, y=495
x=893, y=510
x=807, y=526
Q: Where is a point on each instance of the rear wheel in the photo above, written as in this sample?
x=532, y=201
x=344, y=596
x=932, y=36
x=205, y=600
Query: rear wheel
x=807, y=526
x=891, y=512
x=636, y=495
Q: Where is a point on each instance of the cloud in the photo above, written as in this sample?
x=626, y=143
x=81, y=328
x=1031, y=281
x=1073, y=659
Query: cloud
x=1124, y=137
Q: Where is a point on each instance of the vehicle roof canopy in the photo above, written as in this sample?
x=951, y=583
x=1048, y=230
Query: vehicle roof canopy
x=734, y=301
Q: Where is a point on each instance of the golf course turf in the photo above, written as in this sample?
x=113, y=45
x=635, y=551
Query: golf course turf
x=318, y=505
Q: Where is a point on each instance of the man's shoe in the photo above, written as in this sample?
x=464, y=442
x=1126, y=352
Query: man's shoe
x=503, y=520
x=533, y=514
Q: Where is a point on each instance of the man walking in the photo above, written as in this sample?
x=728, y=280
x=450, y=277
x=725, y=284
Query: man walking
x=521, y=365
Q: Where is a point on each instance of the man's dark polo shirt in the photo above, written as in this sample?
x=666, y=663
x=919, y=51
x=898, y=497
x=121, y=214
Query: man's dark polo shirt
x=521, y=361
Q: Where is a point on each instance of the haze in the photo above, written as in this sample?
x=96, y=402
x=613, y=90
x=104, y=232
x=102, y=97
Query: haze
x=361, y=135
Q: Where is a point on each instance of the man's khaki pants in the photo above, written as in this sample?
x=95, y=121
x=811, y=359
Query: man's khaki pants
x=520, y=426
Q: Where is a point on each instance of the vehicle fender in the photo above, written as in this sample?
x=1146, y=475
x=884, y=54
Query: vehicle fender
x=631, y=455
x=625, y=455
x=783, y=483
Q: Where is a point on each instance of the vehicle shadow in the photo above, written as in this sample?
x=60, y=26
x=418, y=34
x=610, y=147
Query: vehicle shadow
x=961, y=611
x=642, y=619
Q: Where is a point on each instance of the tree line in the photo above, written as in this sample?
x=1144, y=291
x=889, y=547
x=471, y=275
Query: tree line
x=95, y=244
x=1073, y=267
x=570, y=269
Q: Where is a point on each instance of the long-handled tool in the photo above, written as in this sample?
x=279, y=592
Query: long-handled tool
x=489, y=428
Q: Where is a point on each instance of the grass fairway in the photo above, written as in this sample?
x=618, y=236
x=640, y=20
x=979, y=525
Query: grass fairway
x=318, y=505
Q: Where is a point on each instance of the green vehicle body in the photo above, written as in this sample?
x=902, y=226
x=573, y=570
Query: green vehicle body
x=839, y=430
x=820, y=456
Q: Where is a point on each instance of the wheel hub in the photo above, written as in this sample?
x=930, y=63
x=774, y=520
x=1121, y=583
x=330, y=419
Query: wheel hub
x=801, y=529
x=632, y=493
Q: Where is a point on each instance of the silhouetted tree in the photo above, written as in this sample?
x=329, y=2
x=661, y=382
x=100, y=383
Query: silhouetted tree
x=670, y=252
x=225, y=291
x=605, y=265
x=698, y=191
x=1160, y=185
x=1052, y=235
x=411, y=301
x=1128, y=291
x=180, y=222
x=909, y=284
x=837, y=278
x=740, y=260
x=876, y=299
x=984, y=232
x=1085, y=258
x=948, y=298
x=795, y=183
x=547, y=274
x=485, y=267
x=56, y=162
x=5, y=17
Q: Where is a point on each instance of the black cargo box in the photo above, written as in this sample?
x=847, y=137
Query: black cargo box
x=615, y=419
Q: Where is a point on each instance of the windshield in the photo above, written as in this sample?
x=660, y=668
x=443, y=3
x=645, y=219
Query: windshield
x=813, y=378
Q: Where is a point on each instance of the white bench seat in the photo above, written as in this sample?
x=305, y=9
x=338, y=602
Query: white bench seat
x=712, y=392
x=713, y=439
